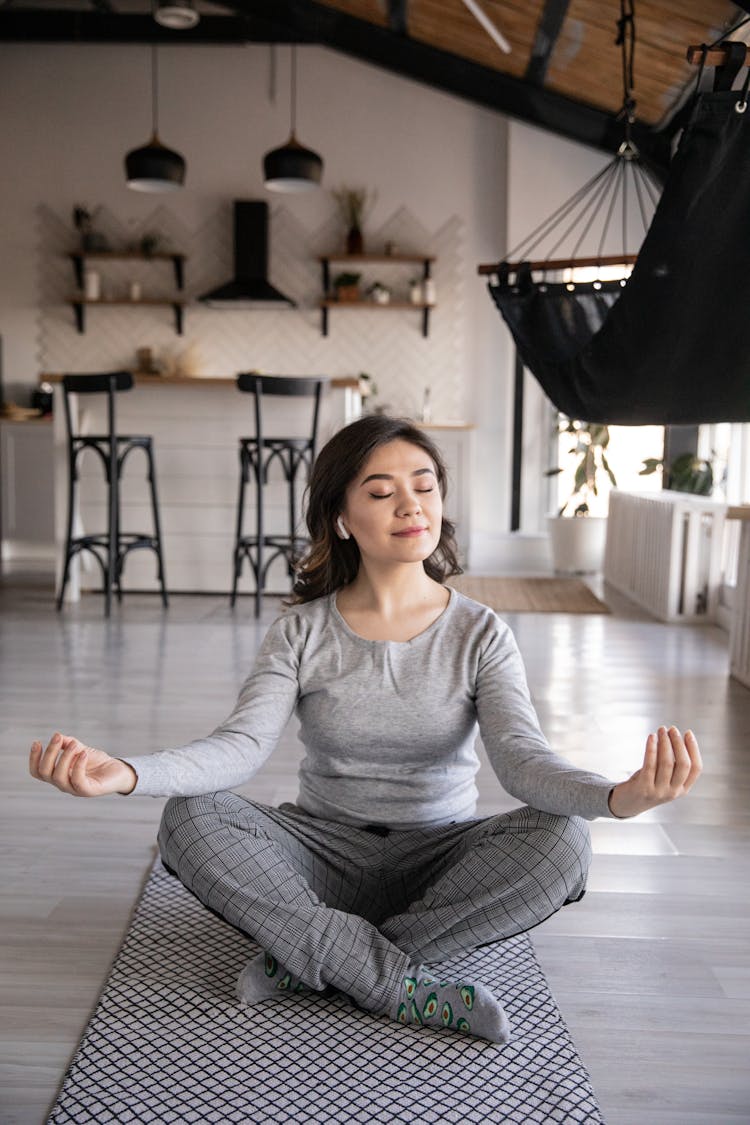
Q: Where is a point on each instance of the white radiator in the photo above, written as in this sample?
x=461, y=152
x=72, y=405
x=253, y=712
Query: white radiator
x=739, y=661
x=664, y=552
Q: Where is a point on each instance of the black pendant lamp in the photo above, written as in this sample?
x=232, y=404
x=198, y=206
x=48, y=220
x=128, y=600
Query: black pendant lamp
x=292, y=167
x=154, y=167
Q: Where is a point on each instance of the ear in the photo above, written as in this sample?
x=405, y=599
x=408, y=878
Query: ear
x=343, y=533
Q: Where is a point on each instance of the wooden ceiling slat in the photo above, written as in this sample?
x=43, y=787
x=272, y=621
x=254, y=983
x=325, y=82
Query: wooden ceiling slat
x=369, y=10
x=586, y=58
x=448, y=25
x=585, y=64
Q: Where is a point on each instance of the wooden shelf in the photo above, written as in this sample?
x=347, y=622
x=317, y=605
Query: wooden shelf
x=126, y=301
x=79, y=257
x=331, y=303
x=79, y=304
x=423, y=260
x=395, y=258
x=167, y=255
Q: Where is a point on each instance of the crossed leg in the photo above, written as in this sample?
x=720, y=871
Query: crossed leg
x=312, y=893
x=502, y=876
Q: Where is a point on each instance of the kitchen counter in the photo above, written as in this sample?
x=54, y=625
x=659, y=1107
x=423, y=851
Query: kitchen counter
x=146, y=379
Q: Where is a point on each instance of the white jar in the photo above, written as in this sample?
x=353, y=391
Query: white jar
x=429, y=292
x=135, y=290
x=415, y=292
x=92, y=285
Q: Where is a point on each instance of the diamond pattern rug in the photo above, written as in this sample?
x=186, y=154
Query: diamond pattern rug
x=168, y=1042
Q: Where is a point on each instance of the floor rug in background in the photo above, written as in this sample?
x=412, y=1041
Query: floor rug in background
x=168, y=1043
x=530, y=595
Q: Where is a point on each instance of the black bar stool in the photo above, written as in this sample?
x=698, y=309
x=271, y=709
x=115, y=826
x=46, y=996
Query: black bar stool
x=109, y=547
x=257, y=455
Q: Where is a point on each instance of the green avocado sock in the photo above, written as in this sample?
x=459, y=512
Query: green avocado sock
x=455, y=1005
x=263, y=977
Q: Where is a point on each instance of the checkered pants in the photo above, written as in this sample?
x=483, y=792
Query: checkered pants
x=355, y=907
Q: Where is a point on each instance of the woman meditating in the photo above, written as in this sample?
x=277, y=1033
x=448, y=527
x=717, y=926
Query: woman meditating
x=381, y=869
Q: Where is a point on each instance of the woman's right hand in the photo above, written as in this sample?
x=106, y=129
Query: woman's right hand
x=80, y=770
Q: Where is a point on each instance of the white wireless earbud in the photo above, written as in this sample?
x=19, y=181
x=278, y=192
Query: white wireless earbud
x=342, y=530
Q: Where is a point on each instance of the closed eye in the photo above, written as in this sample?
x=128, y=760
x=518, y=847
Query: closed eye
x=386, y=495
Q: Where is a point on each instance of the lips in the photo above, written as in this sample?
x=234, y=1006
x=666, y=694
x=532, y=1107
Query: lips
x=410, y=532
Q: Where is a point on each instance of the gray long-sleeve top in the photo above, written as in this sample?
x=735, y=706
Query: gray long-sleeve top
x=388, y=727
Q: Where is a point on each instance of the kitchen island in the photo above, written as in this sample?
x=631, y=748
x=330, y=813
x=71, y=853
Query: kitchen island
x=196, y=422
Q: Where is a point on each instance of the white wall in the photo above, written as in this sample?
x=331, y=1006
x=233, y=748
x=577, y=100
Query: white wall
x=68, y=114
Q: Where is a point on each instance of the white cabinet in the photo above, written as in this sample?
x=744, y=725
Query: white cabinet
x=27, y=514
x=739, y=659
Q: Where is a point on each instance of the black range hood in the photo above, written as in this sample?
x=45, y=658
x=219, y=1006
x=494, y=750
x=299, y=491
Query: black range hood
x=250, y=287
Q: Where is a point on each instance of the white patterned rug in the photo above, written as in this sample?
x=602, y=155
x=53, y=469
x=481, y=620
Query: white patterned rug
x=168, y=1043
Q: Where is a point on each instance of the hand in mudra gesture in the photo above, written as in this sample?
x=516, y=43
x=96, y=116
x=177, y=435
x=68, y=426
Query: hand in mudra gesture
x=671, y=766
x=80, y=770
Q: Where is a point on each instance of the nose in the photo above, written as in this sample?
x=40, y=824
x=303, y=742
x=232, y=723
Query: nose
x=408, y=505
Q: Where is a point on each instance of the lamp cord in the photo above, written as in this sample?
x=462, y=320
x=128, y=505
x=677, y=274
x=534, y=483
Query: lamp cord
x=293, y=108
x=154, y=90
x=626, y=40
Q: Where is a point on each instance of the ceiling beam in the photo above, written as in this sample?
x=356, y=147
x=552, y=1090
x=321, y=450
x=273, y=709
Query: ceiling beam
x=397, y=16
x=548, y=30
x=46, y=25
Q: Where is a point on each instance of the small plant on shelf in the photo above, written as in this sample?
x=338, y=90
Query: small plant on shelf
x=150, y=243
x=346, y=286
x=354, y=204
x=83, y=221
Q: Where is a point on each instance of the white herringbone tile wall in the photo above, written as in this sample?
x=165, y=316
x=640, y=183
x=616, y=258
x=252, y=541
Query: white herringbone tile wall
x=387, y=344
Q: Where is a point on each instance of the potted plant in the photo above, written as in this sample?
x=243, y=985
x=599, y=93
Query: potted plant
x=577, y=538
x=346, y=286
x=92, y=241
x=353, y=205
x=687, y=473
x=368, y=390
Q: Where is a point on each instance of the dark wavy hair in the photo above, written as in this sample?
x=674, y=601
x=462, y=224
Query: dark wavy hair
x=331, y=562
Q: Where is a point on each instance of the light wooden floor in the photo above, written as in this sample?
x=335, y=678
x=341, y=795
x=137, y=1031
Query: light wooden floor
x=652, y=968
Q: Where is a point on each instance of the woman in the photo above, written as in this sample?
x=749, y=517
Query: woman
x=381, y=867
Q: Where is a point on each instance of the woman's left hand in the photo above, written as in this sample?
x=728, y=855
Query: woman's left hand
x=671, y=766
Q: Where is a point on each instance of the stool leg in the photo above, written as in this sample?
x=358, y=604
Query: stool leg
x=157, y=524
x=259, y=577
x=292, y=510
x=237, y=561
x=119, y=555
x=112, y=543
x=69, y=534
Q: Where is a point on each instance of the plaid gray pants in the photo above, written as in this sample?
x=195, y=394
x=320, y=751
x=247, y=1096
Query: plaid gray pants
x=355, y=907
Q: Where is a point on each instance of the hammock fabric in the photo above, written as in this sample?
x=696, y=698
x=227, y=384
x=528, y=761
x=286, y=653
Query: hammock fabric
x=671, y=347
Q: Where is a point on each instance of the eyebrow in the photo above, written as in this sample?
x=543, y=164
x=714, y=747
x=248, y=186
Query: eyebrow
x=388, y=476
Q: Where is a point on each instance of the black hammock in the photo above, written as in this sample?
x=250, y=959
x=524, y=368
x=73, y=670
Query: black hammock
x=671, y=346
